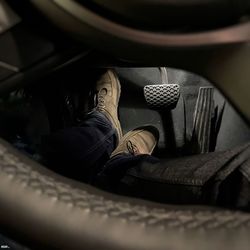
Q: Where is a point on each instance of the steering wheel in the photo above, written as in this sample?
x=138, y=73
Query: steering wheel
x=46, y=210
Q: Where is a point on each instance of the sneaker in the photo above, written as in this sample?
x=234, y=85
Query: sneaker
x=108, y=90
x=139, y=141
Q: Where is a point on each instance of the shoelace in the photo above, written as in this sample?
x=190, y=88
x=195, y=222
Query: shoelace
x=100, y=101
x=132, y=148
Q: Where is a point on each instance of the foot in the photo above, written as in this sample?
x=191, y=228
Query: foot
x=139, y=141
x=108, y=90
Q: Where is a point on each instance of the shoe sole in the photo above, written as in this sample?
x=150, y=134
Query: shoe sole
x=112, y=72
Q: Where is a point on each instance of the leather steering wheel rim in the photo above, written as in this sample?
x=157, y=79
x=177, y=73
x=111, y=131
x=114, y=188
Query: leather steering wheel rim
x=43, y=209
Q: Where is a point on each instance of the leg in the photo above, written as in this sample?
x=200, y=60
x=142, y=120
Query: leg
x=80, y=152
x=135, y=147
x=111, y=177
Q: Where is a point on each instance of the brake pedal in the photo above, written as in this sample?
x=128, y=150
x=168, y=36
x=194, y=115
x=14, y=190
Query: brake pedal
x=162, y=96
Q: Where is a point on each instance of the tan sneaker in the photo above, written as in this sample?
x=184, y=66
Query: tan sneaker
x=107, y=98
x=139, y=141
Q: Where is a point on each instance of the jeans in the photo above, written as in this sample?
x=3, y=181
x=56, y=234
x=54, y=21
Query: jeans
x=83, y=153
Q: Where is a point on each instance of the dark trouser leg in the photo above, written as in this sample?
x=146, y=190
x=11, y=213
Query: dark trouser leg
x=220, y=178
x=117, y=168
x=80, y=152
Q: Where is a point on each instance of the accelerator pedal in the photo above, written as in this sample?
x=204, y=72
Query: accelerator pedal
x=203, y=120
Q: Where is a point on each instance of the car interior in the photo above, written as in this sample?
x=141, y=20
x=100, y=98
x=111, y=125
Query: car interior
x=183, y=66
